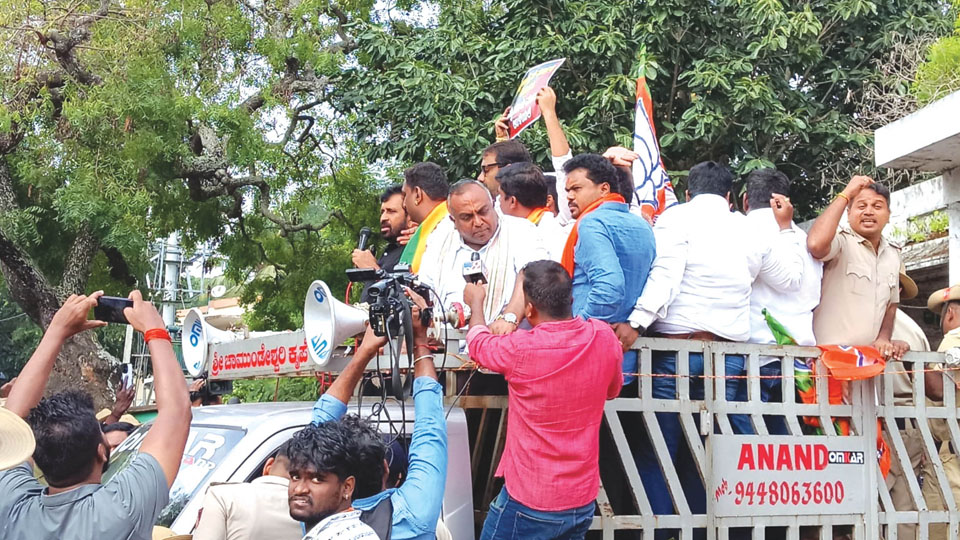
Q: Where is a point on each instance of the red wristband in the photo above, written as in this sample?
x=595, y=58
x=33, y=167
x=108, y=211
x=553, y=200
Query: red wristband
x=156, y=333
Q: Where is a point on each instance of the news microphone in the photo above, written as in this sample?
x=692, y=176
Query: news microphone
x=364, y=238
x=473, y=270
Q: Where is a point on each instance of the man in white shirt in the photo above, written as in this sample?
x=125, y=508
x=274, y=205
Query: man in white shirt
x=699, y=288
x=503, y=244
x=226, y=511
x=795, y=310
x=325, y=462
x=523, y=194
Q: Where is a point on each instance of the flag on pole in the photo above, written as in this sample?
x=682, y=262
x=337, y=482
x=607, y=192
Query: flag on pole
x=650, y=180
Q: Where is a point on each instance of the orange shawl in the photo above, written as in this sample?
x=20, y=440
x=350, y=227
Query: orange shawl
x=567, y=260
x=536, y=214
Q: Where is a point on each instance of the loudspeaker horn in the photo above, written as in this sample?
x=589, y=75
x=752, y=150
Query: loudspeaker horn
x=327, y=322
x=196, y=335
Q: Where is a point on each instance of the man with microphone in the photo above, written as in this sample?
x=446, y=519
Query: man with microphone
x=393, y=220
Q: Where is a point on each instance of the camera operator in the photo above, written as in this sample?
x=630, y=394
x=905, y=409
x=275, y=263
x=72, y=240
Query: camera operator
x=416, y=505
x=393, y=221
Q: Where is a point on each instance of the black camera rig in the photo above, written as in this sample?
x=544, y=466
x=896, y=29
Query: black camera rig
x=391, y=311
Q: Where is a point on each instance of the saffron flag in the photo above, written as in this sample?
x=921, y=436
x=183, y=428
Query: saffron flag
x=650, y=180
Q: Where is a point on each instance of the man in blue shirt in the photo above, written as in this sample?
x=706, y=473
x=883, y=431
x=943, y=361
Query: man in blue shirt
x=418, y=502
x=610, y=251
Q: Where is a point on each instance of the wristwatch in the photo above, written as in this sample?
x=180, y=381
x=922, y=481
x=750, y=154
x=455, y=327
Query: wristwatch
x=509, y=317
x=636, y=326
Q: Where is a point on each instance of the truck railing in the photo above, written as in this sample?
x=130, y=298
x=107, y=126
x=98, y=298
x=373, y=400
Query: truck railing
x=867, y=510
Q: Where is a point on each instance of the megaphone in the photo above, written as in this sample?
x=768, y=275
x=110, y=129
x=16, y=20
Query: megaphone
x=327, y=322
x=197, y=334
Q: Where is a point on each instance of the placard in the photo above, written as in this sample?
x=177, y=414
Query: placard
x=772, y=476
x=524, y=109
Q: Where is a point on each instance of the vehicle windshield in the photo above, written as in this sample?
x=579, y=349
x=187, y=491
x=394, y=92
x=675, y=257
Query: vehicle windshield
x=205, y=450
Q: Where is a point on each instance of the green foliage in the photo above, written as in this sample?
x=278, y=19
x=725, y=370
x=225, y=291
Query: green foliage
x=748, y=83
x=18, y=335
x=113, y=156
x=261, y=390
x=923, y=228
x=940, y=74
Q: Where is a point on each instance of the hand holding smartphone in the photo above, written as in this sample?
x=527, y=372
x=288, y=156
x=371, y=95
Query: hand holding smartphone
x=110, y=309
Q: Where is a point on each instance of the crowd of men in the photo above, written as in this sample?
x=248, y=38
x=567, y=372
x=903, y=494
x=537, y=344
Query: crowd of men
x=571, y=275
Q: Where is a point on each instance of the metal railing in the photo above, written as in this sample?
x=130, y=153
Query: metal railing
x=702, y=421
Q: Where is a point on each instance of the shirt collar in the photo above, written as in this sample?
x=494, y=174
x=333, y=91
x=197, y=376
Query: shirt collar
x=373, y=500
x=709, y=199
x=70, y=496
x=349, y=515
x=273, y=480
x=614, y=206
x=884, y=245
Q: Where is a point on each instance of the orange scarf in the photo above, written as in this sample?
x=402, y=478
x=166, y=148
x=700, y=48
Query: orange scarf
x=536, y=214
x=567, y=260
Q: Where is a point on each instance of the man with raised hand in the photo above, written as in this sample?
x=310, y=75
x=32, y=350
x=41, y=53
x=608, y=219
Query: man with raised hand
x=861, y=270
x=794, y=311
x=416, y=505
x=71, y=450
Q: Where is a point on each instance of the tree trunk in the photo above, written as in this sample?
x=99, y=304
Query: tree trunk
x=83, y=364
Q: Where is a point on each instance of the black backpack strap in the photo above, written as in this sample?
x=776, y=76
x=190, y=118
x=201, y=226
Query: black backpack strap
x=380, y=518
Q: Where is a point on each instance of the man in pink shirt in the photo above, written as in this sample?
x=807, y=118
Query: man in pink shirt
x=559, y=374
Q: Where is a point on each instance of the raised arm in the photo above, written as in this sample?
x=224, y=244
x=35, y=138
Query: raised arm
x=781, y=262
x=422, y=492
x=824, y=228
x=547, y=100
x=168, y=435
x=70, y=319
x=332, y=405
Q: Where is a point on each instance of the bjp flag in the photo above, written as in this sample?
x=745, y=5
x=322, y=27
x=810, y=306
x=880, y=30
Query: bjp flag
x=650, y=180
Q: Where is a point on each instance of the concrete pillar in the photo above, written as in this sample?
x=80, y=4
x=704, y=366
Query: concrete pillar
x=951, y=183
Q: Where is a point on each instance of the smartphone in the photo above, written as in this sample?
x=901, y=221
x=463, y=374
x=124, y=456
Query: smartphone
x=126, y=381
x=110, y=309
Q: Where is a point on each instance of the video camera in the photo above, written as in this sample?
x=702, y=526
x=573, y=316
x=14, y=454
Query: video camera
x=387, y=298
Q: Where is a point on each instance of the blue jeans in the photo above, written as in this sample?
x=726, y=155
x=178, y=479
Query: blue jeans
x=771, y=390
x=510, y=520
x=654, y=483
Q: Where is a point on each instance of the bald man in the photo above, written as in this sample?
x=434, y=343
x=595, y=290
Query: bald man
x=504, y=245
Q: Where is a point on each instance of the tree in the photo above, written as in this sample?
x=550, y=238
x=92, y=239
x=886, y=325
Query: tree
x=748, y=83
x=940, y=74
x=122, y=123
x=267, y=128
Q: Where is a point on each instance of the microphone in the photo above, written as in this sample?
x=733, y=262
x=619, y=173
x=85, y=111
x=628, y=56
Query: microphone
x=364, y=238
x=473, y=270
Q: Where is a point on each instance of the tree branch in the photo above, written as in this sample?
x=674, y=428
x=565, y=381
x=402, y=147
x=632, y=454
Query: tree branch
x=64, y=44
x=29, y=289
x=76, y=268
